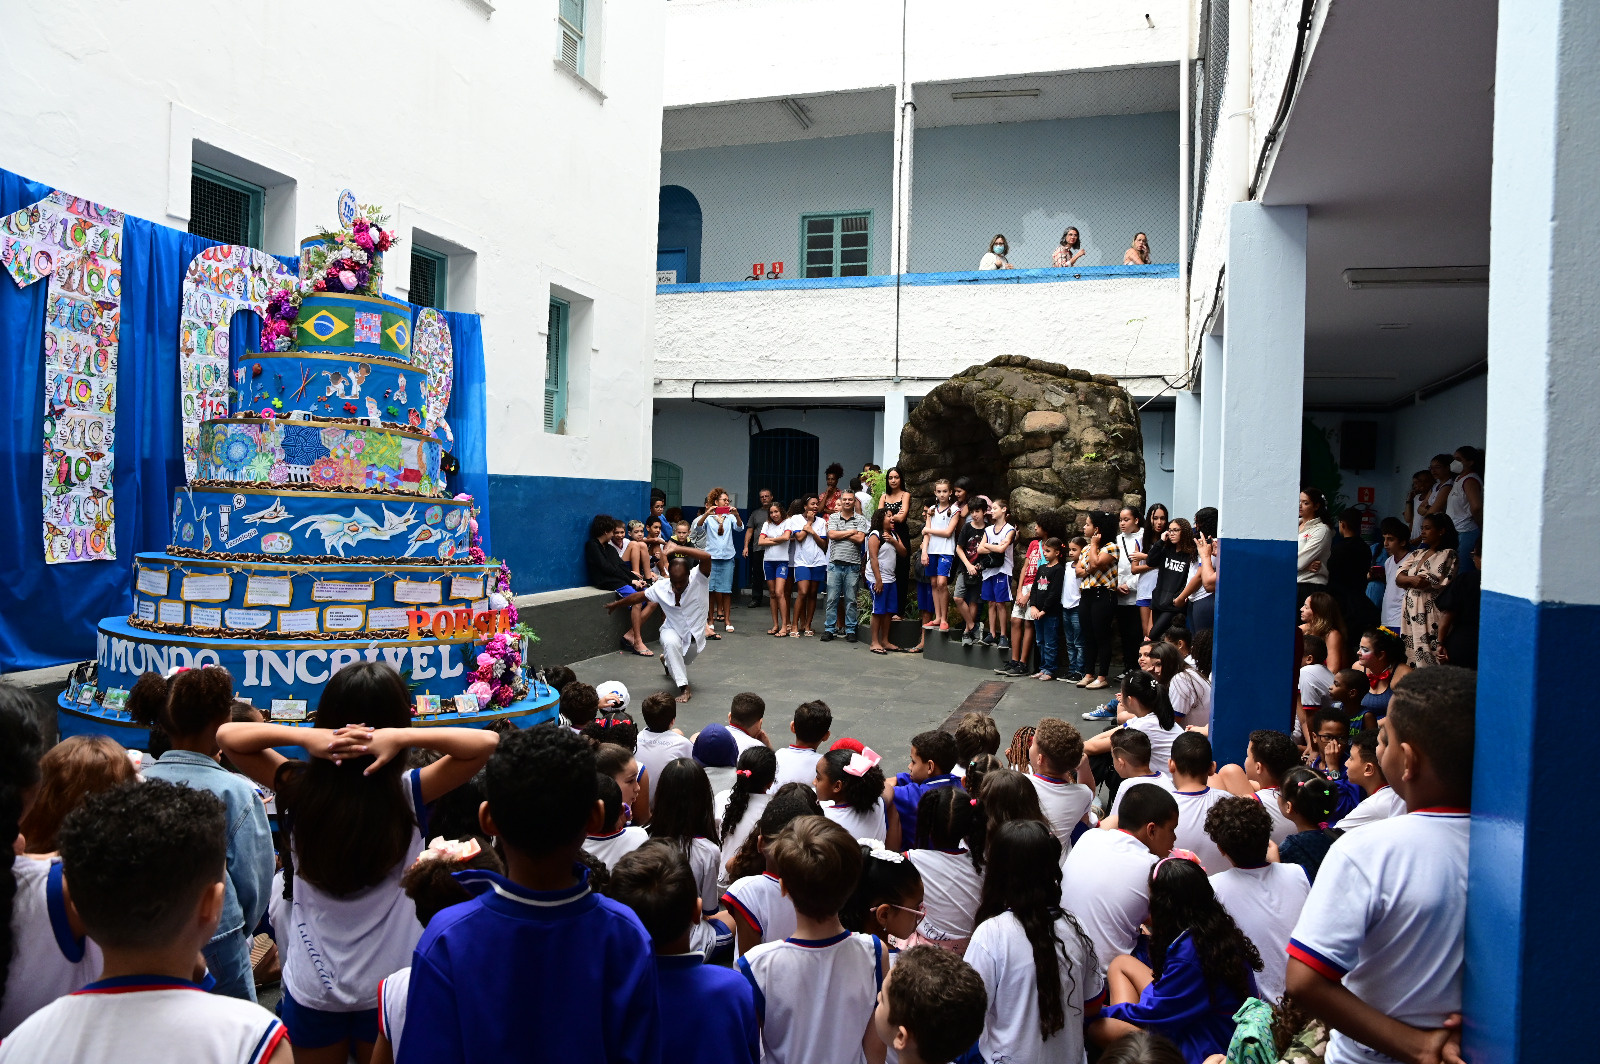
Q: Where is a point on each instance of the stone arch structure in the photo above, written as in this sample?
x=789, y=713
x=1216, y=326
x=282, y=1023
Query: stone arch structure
x=1048, y=438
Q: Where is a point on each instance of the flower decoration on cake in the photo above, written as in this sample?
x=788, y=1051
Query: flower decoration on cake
x=345, y=260
x=283, y=312
x=327, y=472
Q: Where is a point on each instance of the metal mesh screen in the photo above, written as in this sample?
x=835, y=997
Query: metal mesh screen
x=220, y=212
x=424, y=280
x=1210, y=75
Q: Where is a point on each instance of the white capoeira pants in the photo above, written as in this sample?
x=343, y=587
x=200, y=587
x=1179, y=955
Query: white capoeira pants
x=677, y=652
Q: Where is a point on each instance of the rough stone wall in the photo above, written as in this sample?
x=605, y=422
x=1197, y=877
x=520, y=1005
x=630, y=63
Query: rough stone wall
x=1048, y=438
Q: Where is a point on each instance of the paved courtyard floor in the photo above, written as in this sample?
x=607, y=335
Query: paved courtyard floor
x=881, y=700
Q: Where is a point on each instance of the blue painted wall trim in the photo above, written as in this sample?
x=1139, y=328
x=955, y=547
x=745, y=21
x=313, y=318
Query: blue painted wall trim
x=1253, y=643
x=540, y=524
x=985, y=277
x=1527, y=873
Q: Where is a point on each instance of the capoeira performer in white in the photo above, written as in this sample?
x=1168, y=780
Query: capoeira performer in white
x=685, y=599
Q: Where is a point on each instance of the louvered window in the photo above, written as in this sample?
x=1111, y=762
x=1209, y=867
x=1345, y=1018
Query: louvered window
x=223, y=208
x=429, y=277
x=570, y=18
x=555, y=369
x=836, y=245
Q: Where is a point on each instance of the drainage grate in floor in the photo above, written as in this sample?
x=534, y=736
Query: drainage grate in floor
x=983, y=699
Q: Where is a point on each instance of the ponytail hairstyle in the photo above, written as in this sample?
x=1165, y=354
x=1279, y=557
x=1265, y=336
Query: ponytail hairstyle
x=1151, y=693
x=861, y=792
x=977, y=769
x=615, y=728
x=1311, y=796
x=682, y=810
x=20, y=747
x=430, y=881
x=1024, y=878
x=949, y=816
x=1006, y=796
x=887, y=878
x=344, y=829
x=70, y=772
x=1181, y=900
x=793, y=800
x=757, y=768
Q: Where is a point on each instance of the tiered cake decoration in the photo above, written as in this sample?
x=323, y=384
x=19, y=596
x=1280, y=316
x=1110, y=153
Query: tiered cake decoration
x=316, y=530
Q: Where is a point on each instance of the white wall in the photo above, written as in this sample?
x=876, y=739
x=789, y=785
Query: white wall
x=455, y=119
x=1155, y=426
x=713, y=446
x=777, y=341
x=760, y=49
x=1438, y=426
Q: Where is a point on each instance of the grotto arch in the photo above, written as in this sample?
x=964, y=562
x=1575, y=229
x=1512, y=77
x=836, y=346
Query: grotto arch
x=1047, y=438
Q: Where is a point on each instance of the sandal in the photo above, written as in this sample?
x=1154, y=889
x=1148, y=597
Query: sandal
x=808, y=632
x=879, y=650
x=629, y=648
x=726, y=627
x=913, y=650
x=774, y=630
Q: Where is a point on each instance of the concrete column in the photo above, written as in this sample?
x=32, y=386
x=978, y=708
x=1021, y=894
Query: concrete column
x=1263, y=384
x=1186, y=455
x=1541, y=590
x=1210, y=471
x=892, y=421
x=905, y=128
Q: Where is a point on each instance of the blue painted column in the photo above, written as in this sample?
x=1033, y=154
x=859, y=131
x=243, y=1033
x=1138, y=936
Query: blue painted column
x=1529, y=984
x=1263, y=379
x=1210, y=473
x=1185, y=454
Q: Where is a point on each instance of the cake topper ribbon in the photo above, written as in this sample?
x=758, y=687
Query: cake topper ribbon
x=860, y=763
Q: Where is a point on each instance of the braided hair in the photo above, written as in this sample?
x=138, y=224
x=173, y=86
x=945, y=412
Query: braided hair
x=20, y=747
x=757, y=768
x=1021, y=743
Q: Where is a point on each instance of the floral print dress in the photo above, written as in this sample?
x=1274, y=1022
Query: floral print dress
x=1419, y=617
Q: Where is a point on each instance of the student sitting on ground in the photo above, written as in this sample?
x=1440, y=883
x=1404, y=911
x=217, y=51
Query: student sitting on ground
x=1202, y=968
x=1309, y=800
x=1267, y=757
x=1377, y=953
x=850, y=787
x=708, y=1013
x=744, y=720
x=754, y=906
x=616, y=837
x=579, y=704
x=811, y=727
x=660, y=742
x=1053, y=757
x=619, y=763
x=816, y=991
x=1349, y=688
x=933, y=755
x=931, y=1007
x=1330, y=747
x=1264, y=898
x=685, y=821
x=1380, y=801
x=1316, y=684
x=1130, y=756
x=1145, y=707
x=536, y=944
x=739, y=807
x=1191, y=766
x=144, y=863
x=949, y=856
x=1106, y=879
x=887, y=900
x=976, y=733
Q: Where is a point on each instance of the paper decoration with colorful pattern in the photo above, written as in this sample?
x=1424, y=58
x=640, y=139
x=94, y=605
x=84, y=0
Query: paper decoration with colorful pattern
x=432, y=351
x=218, y=282
x=367, y=327
x=78, y=245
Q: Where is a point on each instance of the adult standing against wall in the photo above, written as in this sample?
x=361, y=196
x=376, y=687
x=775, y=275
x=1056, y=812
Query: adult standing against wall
x=1070, y=250
x=1316, y=544
x=1439, y=494
x=995, y=257
x=830, y=495
x=847, y=532
x=1138, y=254
x=1416, y=503
x=753, y=551
x=1464, y=504
x=895, y=502
x=1425, y=572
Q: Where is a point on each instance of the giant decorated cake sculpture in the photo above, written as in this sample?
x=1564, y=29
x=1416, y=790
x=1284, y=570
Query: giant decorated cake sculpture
x=316, y=529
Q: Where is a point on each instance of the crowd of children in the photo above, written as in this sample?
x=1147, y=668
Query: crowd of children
x=596, y=891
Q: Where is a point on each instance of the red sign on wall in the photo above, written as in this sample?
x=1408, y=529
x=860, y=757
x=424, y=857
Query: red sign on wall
x=1366, y=496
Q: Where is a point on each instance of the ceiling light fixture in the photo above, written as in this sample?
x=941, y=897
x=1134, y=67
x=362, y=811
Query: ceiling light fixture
x=1417, y=277
x=993, y=94
x=798, y=110
x=1394, y=325
x=1351, y=376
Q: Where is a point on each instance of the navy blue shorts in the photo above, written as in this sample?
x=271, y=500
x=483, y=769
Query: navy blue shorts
x=997, y=588
x=313, y=1028
x=939, y=565
x=816, y=574
x=885, y=602
x=776, y=570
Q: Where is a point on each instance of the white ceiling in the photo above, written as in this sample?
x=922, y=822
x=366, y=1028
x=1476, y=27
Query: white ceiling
x=1389, y=144
x=1074, y=94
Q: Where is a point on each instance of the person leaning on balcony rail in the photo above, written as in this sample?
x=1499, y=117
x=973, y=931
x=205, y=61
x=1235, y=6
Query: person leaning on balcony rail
x=1070, y=250
x=1139, y=253
x=995, y=257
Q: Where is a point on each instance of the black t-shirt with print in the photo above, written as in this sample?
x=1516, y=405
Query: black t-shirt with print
x=1172, y=576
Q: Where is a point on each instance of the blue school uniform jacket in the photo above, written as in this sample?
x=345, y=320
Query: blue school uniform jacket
x=1179, y=1005
x=708, y=1013
x=906, y=796
x=521, y=975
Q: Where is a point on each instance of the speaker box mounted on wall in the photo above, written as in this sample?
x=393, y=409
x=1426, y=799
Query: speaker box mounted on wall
x=1358, y=445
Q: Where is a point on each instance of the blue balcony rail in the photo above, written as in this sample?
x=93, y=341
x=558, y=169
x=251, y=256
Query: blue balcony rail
x=1052, y=275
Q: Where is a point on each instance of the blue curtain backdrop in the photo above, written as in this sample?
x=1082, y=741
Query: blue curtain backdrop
x=48, y=613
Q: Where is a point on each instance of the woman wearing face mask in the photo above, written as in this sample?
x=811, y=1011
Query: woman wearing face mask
x=1464, y=503
x=995, y=257
x=1139, y=253
x=1070, y=250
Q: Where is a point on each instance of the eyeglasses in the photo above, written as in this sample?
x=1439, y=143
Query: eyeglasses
x=921, y=910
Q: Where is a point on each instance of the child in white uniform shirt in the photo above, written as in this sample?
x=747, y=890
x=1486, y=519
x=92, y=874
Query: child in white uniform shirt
x=1269, y=755
x=659, y=743
x=949, y=856
x=737, y=809
x=1106, y=879
x=1191, y=766
x=797, y=763
x=1054, y=756
x=1035, y=1013
x=684, y=819
x=1362, y=769
x=754, y=907
x=850, y=787
x=1264, y=898
x=618, y=838
x=1377, y=952
x=816, y=991
x=144, y=863
x=1130, y=756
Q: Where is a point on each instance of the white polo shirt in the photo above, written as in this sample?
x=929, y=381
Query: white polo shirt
x=1155, y=779
x=1106, y=885
x=657, y=749
x=1161, y=739
x=741, y=831
x=1003, y=958
x=49, y=961
x=760, y=900
x=742, y=740
x=1265, y=902
x=1387, y=916
x=1064, y=802
x=1192, y=809
x=873, y=824
x=814, y=998
x=796, y=764
x=951, y=890
x=612, y=848
x=1381, y=804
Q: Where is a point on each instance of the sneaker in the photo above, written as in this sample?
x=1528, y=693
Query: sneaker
x=1007, y=669
x=1073, y=676
x=988, y=640
x=850, y=637
x=968, y=638
x=1101, y=713
x=826, y=637
x=1019, y=668
x=1005, y=643
x=979, y=627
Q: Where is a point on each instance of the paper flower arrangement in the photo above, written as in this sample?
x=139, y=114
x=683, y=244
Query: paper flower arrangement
x=344, y=262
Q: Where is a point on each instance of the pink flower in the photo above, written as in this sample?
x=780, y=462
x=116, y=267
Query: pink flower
x=486, y=661
x=482, y=691
x=347, y=279
x=503, y=695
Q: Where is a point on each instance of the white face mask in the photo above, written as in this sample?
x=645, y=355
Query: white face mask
x=1456, y=466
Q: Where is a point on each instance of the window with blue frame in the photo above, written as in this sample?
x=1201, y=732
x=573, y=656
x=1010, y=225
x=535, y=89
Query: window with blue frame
x=836, y=245
x=429, y=277
x=570, y=17
x=555, y=369
x=668, y=477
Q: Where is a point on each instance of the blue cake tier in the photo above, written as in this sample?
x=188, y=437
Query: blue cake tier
x=284, y=523
x=349, y=324
x=383, y=390
x=270, y=669
x=279, y=599
x=319, y=454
